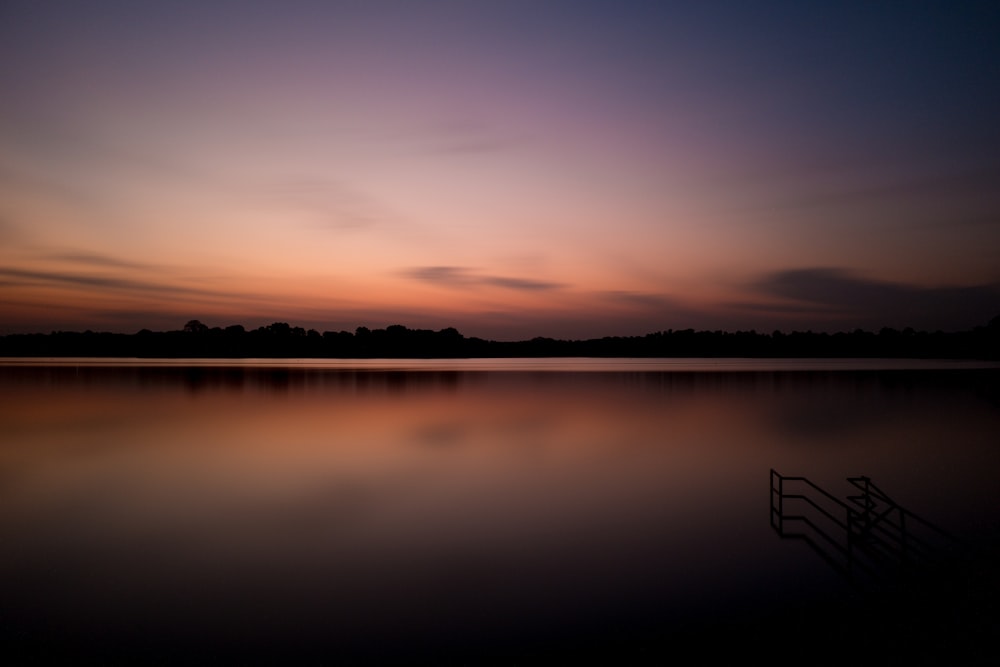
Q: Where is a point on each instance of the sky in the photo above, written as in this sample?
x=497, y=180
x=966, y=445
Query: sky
x=512, y=169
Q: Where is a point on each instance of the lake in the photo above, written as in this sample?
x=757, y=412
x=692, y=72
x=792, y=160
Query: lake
x=486, y=511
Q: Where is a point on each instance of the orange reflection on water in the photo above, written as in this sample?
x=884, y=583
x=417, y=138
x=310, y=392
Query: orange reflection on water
x=497, y=499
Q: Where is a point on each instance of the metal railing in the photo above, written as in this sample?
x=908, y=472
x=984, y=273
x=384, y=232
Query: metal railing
x=865, y=534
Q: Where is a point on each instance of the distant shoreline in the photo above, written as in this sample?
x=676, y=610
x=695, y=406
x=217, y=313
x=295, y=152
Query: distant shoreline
x=517, y=364
x=282, y=341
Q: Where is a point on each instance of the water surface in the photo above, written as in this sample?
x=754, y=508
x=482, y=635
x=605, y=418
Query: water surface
x=457, y=511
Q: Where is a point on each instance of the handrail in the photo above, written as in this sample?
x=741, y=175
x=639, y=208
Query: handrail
x=814, y=486
x=872, y=490
x=877, y=528
x=821, y=510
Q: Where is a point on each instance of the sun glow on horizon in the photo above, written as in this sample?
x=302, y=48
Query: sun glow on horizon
x=618, y=172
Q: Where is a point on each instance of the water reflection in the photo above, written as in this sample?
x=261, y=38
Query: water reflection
x=383, y=514
x=866, y=536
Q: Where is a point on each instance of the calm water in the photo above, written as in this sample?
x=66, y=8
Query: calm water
x=466, y=511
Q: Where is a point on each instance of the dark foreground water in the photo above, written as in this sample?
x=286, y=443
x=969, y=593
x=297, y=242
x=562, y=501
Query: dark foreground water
x=503, y=512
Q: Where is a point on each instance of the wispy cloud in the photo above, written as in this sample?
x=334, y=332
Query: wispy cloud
x=446, y=275
x=95, y=259
x=100, y=272
x=463, y=277
x=642, y=299
x=22, y=276
x=519, y=283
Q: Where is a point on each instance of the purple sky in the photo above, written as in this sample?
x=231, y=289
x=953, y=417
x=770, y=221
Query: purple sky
x=512, y=169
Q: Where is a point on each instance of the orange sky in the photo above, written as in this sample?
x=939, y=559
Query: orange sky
x=558, y=169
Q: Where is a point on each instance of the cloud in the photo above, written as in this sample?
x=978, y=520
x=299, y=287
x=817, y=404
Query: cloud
x=642, y=299
x=95, y=259
x=846, y=296
x=21, y=276
x=831, y=287
x=444, y=275
x=519, y=283
x=457, y=276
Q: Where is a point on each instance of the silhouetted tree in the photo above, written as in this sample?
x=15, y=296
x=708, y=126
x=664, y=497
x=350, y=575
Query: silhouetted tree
x=282, y=340
x=279, y=328
x=194, y=326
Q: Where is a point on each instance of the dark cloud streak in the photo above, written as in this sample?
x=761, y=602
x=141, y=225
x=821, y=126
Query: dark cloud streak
x=462, y=277
x=95, y=259
x=22, y=275
x=846, y=296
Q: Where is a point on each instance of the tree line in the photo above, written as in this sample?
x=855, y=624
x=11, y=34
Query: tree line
x=281, y=340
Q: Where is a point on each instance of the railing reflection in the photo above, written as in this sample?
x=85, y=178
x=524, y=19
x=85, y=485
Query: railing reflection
x=865, y=536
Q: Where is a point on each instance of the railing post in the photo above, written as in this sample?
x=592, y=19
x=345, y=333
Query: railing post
x=781, y=501
x=868, y=503
x=779, y=522
x=781, y=504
